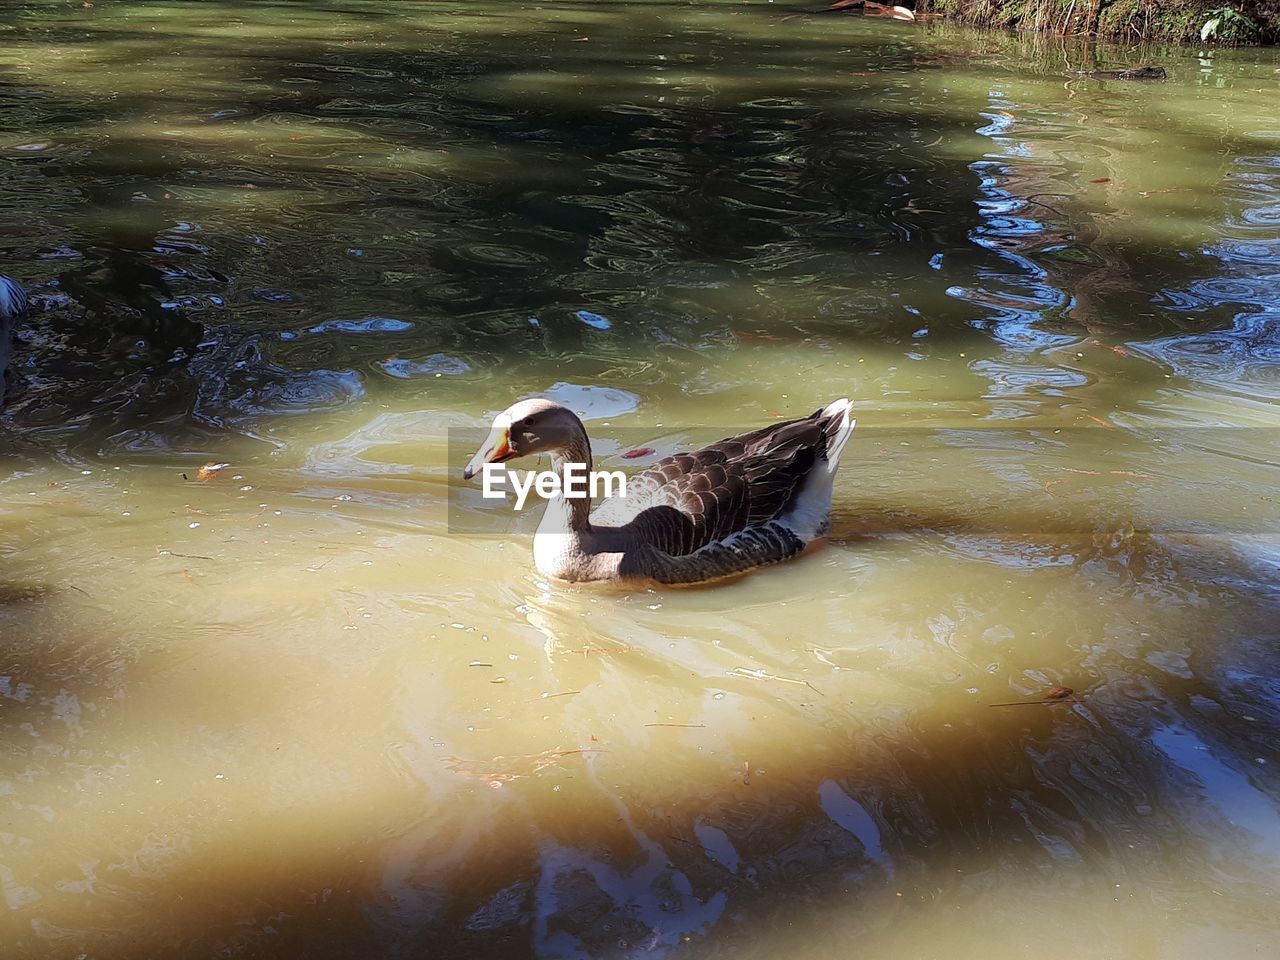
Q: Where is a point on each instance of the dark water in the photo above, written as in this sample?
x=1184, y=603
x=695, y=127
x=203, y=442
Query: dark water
x=300, y=711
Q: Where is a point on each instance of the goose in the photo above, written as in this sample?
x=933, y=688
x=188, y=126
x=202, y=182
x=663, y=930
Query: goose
x=13, y=306
x=747, y=501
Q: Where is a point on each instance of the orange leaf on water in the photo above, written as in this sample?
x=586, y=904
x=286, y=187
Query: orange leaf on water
x=1100, y=180
x=637, y=453
x=210, y=470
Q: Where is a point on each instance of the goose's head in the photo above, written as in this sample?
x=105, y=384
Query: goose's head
x=527, y=428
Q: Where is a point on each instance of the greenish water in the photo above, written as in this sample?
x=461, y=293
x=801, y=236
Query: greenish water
x=319, y=705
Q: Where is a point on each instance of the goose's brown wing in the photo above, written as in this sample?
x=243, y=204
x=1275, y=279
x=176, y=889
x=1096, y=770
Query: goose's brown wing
x=686, y=501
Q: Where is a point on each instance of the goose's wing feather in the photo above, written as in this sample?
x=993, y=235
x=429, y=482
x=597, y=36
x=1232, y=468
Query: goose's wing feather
x=738, y=553
x=687, y=501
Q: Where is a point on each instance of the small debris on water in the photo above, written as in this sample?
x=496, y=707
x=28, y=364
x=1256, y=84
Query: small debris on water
x=1055, y=695
x=210, y=470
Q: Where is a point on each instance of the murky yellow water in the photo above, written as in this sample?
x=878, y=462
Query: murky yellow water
x=319, y=705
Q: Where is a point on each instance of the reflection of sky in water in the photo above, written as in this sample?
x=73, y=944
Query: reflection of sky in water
x=1242, y=358
x=648, y=905
x=851, y=815
x=1224, y=788
x=1016, y=300
x=1010, y=378
x=593, y=403
x=1013, y=292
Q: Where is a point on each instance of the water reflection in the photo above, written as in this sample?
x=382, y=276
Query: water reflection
x=1243, y=357
x=285, y=709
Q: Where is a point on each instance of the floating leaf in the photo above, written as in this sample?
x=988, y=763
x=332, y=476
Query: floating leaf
x=638, y=452
x=210, y=470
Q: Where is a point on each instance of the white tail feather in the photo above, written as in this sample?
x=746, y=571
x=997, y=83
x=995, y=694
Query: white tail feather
x=843, y=408
x=809, y=515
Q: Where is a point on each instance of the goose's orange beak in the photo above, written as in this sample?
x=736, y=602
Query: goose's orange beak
x=495, y=449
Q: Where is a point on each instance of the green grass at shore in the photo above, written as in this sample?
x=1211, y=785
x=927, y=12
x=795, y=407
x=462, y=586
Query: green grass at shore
x=1133, y=20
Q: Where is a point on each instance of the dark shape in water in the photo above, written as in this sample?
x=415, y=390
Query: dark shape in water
x=438, y=364
x=1133, y=73
x=13, y=306
x=593, y=320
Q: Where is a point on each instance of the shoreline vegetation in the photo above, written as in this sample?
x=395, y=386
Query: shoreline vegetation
x=1244, y=22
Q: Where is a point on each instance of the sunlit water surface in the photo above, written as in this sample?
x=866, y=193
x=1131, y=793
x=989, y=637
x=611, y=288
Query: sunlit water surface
x=317, y=704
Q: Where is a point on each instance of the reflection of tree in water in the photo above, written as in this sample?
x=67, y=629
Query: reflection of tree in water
x=1243, y=355
x=640, y=209
x=646, y=201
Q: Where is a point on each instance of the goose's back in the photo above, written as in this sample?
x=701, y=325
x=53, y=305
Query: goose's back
x=688, y=501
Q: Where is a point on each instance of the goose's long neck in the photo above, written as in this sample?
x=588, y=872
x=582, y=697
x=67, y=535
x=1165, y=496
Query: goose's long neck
x=569, y=514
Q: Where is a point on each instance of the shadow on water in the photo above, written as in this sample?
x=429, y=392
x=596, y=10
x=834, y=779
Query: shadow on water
x=691, y=196
x=846, y=825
